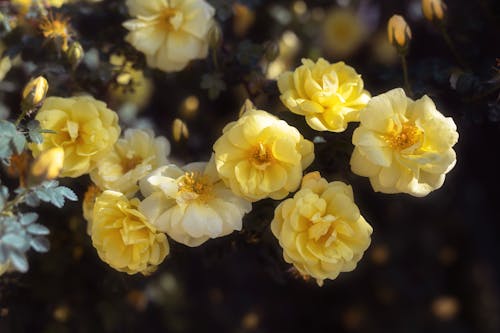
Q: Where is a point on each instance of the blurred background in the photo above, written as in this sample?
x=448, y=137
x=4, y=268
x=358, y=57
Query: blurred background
x=434, y=262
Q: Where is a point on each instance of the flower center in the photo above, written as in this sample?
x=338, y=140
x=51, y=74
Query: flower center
x=407, y=137
x=130, y=163
x=261, y=156
x=195, y=183
x=170, y=19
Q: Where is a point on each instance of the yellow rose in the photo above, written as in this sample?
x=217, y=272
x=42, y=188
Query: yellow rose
x=84, y=127
x=122, y=236
x=170, y=33
x=131, y=84
x=328, y=95
x=47, y=166
x=261, y=156
x=320, y=229
x=192, y=204
x=132, y=158
x=88, y=205
x=343, y=32
x=403, y=145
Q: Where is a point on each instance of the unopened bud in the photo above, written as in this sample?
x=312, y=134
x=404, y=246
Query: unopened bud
x=247, y=106
x=47, y=165
x=179, y=130
x=34, y=92
x=434, y=10
x=272, y=51
x=75, y=54
x=215, y=36
x=399, y=33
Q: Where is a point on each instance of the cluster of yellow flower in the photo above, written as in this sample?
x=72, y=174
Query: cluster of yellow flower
x=403, y=146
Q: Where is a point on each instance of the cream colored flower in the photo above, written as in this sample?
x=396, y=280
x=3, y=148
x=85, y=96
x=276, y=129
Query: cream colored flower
x=170, y=33
x=320, y=229
x=132, y=158
x=403, y=145
x=131, y=85
x=261, y=156
x=192, y=204
x=343, y=32
x=84, y=127
x=328, y=95
x=122, y=236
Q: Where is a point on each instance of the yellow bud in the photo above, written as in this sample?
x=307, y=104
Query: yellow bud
x=75, y=54
x=179, y=130
x=47, y=165
x=34, y=92
x=215, y=36
x=433, y=10
x=398, y=32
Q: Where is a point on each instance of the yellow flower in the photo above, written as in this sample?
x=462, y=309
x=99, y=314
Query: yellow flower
x=192, y=204
x=403, y=145
x=88, y=205
x=398, y=32
x=433, y=10
x=343, y=32
x=132, y=158
x=84, y=127
x=320, y=229
x=56, y=28
x=122, y=236
x=131, y=84
x=261, y=156
x=24, y=5
x=48, y=165
x=170, y=33
x=328, y=95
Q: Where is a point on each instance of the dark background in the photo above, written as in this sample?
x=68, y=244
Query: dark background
x=434, y=262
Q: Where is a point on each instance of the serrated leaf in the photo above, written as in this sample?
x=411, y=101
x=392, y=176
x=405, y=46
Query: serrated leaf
x=28, y=218
x=67, y=193
x=14, y=241
x=37, y=229
x=19, y=261
x=57, y=199
x=19, y=142
x=32, y=200
x=40, y=244
x=43, y=194
x=35, y=137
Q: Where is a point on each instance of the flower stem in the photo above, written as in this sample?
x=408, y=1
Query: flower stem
x=451, y=46
x=409, y=92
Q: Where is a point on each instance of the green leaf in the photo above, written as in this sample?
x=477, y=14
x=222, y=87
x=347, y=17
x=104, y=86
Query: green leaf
x=28, y=218
x=40, y=244
x=37, y=229
x=19, y=261
x=19, y=142
x=14, y=241
x=67, y=193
